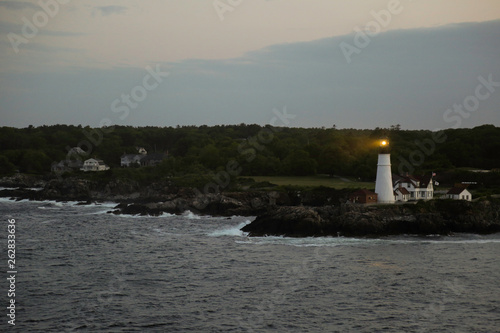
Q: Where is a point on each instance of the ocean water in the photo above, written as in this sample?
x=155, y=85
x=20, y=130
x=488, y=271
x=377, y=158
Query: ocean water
x=82, y=270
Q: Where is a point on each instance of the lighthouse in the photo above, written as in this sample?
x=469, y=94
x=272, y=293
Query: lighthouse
x=383, y=184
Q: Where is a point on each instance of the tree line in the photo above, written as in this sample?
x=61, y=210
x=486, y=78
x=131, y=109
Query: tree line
x=259, y=150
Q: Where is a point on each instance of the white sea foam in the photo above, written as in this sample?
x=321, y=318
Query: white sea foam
x=107, y=204
x=190, y=215
x=128, y=216
x=348, y=241
x=35, y=188
x=230, y=231
x=17, y=188
x=100, y=212
x=164, y=214
x=51, y=204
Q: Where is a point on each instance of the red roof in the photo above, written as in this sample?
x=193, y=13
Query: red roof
x=402, y=190
x=423, y=180
x=363, y=192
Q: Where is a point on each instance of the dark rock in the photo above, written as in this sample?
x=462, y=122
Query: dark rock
x=298, y=213
x=434, y=217
x=291, y=221
x=23, y=181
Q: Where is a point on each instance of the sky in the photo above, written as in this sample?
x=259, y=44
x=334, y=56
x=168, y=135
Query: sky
x=423, y=64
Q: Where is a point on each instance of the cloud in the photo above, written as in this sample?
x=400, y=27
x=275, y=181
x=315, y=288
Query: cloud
x=109, y=10
x=410, y=77
x=8, y=27
x=19, y=5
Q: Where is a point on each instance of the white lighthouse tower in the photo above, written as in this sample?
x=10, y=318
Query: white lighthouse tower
x=383, y=184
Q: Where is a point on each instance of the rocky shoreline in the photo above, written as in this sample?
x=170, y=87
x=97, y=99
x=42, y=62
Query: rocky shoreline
x=293, y=213
x=131, y=198
x=434, y=217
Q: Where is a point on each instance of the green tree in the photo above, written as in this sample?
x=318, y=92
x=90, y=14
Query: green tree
x=298, y=163
x=5, y=166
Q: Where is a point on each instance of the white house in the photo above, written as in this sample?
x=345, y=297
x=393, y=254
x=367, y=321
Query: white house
x=76, y=151
x=94, y=165
x=459, y=193
x=401, y=194
x=411, y=188
x=127, y=160
x=73, y=161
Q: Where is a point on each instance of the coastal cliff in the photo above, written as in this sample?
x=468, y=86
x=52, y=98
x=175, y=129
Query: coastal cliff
x=432, y=217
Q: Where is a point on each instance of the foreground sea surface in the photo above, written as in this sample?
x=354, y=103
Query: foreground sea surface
x=80, y=269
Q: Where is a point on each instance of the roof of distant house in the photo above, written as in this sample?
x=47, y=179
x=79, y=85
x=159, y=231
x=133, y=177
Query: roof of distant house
x=131, y=156
x=423, y=181
x=402, y=190
x=95, y=160
x=154, y=157
x=456, y=190
x=364, y=192
x=76, y=150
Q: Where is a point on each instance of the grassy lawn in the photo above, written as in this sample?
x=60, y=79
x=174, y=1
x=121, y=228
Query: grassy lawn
x=314, y=181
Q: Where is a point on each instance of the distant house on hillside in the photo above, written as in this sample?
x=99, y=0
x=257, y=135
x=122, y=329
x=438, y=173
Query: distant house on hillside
x=153, y=159
x=94, y=165
x=77, y=151
x=67, y=165
x=127, y=160
x=73, y=161
x=363, y=196
x=459, y=193
x=418, y=187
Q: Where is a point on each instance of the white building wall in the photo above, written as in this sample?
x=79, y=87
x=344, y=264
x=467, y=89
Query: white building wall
x=383, y=184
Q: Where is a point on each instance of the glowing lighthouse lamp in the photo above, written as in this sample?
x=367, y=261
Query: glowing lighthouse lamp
x=383, y=184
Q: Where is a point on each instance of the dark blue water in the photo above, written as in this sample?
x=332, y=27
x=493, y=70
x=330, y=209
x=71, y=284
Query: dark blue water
x=82, y=270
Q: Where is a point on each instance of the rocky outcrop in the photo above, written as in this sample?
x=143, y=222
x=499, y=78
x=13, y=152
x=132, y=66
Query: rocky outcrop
x=23, y=181
x=153, y=199
x=432, y=217
x=220, y=204
x=289, y=221
x=298, y=213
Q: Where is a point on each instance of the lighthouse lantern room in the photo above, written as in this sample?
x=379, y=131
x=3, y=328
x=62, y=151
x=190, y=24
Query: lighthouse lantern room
x=383, y=183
